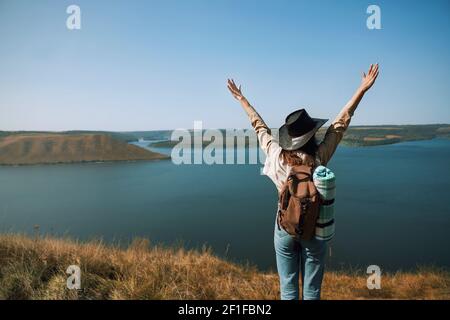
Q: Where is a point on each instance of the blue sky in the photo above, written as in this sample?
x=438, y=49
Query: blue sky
x=143, y=65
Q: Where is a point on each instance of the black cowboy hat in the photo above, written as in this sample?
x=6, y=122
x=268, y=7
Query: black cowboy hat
x=298, y=129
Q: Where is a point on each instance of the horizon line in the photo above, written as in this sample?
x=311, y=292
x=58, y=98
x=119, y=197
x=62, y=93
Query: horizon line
x=212, y=128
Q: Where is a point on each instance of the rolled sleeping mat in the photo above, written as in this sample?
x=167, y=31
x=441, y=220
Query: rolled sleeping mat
x=325, y=182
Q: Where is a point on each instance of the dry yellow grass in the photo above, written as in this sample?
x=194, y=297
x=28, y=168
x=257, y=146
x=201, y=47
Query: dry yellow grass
x=35, y=269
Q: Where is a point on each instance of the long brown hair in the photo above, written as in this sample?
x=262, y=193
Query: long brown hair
x=309, y=149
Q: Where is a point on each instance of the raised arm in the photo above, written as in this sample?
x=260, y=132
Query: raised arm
x=265, y=138
x=336, y=130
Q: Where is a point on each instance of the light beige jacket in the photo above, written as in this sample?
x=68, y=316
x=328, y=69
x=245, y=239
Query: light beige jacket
x=274, y=167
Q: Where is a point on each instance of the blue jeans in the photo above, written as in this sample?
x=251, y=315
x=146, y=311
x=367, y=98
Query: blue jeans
x=295, y=256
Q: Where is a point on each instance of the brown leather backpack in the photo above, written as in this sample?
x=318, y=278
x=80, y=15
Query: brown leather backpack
x=299, y=203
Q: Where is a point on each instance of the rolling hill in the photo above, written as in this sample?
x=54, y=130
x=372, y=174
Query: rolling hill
x=47, y=148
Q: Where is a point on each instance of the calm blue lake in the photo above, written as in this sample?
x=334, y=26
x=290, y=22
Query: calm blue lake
x=392, y=205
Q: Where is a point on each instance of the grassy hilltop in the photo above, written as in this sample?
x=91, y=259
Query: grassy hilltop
x=34, y=268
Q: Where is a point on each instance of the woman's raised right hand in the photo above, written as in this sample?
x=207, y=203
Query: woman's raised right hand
x=235, y=91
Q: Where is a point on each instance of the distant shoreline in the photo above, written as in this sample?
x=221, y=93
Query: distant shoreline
x=81, y=162
x=361, y=136
x=20, y=148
